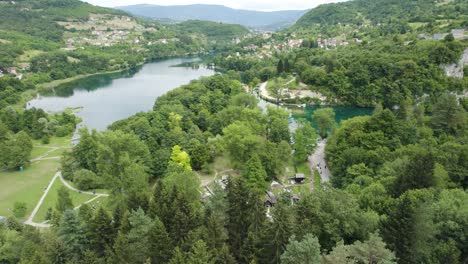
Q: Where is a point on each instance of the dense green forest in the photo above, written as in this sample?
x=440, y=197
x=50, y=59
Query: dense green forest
x=386, y=71
x=399, y=176
x=397, y=190
x=385, y=11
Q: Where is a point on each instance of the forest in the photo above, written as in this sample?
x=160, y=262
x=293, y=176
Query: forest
x=399, y=175
x=396, y=195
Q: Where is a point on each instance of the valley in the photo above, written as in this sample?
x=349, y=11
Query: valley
x=205, y=134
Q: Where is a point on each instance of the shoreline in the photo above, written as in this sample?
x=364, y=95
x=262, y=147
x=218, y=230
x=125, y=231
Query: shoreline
x=30, y=94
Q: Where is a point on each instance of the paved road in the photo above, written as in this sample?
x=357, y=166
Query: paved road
x=318, y=157
x=264, y=92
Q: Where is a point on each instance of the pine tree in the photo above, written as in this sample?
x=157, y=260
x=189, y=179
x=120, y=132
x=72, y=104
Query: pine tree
x=277, y=235
x=200, y=254
x=183, y=217
x=216, y=233
x=133, y=246
x=178, y=257
x=160, y=244
x=102, y=232
x=71, y=233
x=280, y=67
x=84, y=213
x=286, y=65
x=238, y=214
x=254, y=173
x=224, y=256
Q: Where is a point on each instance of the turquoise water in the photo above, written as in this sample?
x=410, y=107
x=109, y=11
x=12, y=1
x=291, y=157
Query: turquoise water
x=341, y=112
x=104, y=99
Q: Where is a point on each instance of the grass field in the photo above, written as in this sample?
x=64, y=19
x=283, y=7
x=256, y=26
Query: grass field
x=25, y=186
x=55, y=142
x=28, y=186
x=317, y=181
x=51, y=200
x=38, y=151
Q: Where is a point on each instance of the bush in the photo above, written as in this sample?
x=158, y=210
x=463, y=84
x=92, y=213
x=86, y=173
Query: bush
x=45, y=139
x=19, y=209
x=86, y=180
x=62, y=131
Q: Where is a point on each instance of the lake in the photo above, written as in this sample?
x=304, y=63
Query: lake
x=104, y=99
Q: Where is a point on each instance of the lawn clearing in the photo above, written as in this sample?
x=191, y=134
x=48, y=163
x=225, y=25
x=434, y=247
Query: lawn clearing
x=317, y=181
x=38, y=151
x=55, y=142
x=51, y=200
x=25, y=186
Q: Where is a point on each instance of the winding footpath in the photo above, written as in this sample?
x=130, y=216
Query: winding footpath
x=59, y=175
x=317, y=161
x=30, y=221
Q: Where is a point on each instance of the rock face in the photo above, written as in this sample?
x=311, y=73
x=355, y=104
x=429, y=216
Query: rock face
x=455, y=70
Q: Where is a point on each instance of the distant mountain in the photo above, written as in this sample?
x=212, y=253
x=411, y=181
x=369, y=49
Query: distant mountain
x=254, y=19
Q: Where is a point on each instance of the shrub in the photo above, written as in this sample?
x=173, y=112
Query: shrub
x=19, y=209
x=86, y=180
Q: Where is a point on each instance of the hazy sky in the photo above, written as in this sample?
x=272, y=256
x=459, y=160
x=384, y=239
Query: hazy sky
x=265, y=5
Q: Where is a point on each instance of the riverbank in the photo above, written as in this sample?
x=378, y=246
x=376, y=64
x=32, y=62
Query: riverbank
x=302, y=98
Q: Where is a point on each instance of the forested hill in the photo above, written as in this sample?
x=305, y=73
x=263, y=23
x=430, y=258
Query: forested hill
x=386, y=11
x=46, y=40
x=212, y=29
x=217, y=13
x=39, y=18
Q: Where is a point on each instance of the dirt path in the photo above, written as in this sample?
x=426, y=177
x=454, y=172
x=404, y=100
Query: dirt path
x=317, y=161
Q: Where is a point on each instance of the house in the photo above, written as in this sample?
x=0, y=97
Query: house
x=3, y=220
x=12, y=70
x=458, y=33
x=299, y=178
x=271, y=199
x=439, y=36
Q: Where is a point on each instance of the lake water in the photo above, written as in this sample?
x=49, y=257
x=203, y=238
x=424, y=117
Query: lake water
x=107, y=98
x=104, y=99
x=341, y=112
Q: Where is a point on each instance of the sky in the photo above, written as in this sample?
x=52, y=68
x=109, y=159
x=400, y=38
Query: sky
x=263, y=5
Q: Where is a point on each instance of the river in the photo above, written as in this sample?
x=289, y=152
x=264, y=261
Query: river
x=104, y=99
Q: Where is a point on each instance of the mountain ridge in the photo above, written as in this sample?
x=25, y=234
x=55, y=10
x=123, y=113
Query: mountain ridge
x=267, y=20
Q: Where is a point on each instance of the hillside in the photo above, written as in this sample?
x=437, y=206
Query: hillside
x=217, y=13
x=213, y=30
x=387, y=11
x=47, y=40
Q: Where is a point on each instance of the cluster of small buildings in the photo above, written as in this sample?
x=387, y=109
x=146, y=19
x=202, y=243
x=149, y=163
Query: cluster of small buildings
x=271, y=199
x=11, y=71
x=333, y=43
x=457, y=34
